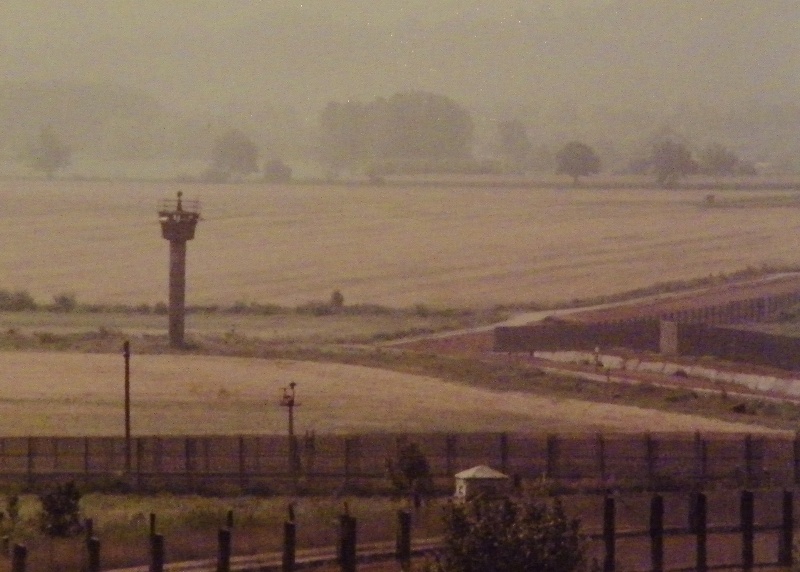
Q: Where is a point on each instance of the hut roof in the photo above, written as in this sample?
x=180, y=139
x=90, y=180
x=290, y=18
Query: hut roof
x=481, y=472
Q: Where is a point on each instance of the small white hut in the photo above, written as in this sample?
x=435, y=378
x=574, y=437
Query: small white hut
x=480, y=480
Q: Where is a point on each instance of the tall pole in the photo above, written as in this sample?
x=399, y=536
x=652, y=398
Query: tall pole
x=126, y=352
x=288, y=400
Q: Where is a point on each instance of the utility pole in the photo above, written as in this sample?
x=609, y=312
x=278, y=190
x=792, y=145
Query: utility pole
x=178, y=221
x=126, y=353
x=288, y=400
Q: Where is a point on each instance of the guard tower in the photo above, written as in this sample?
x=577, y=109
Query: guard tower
x=178, y=220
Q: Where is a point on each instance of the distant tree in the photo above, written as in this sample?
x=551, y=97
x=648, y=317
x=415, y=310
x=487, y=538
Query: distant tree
x=422, y=125
x=670, y=161
x=407, y=127
x=718, y=160
x=233, y=154
x=276, y=171
x=344, y=135
x=515, y=145
x=49, y=154
x=577, y=159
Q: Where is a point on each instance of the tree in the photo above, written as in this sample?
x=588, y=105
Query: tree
x=718, y=160
x=49, y=154
x=515, y=146
x=671, y=161
x=276, y=171
x=233, y=154
x=520, y=534
x=577, y=159
x=410, y=473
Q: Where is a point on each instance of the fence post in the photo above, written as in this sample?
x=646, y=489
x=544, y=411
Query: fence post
x=403, y=552
x=657, y=533
x=224, y=550
x=188, y=452
x=242, y=465
x=18, y=556
x=786, y=540
x=31, y=455
x=747, y=517
x=504, y=452
x=700, y=522
x=450, y=446
x=347, y=543
x=229, y=519
x=650, y=458
x=157, y=553
x=552, y=456
x=152, y=524
x=748, y=460
x=699, y=459
x=601, y=457
x=797, y=458
x=93, y=548
x=289, y=542
x=608, y=534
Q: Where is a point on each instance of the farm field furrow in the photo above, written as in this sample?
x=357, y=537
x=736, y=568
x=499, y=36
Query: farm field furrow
x=389, y=245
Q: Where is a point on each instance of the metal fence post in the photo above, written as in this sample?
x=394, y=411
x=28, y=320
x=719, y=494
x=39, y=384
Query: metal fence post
x=657, y=533
x=609, y=533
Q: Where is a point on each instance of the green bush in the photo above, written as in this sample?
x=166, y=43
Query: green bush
x=521, y=534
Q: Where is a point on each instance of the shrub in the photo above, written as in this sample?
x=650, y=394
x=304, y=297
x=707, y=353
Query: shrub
x=410, y=472
x=511, y=534
x=60, y=514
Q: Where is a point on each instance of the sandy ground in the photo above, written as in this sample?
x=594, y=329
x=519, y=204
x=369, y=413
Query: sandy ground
x=83, y=394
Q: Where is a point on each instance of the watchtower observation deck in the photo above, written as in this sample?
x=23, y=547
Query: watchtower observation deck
x=178, y=218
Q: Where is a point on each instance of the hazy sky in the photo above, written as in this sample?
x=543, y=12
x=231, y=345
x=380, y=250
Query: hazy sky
x=204, y=55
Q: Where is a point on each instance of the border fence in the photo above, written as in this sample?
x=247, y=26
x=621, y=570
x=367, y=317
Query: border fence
x=658, y=461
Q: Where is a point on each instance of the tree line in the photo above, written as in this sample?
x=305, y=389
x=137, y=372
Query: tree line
x=421, y=132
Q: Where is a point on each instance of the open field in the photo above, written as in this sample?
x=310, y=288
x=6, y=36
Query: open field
x=392, y=245
x=49, y=393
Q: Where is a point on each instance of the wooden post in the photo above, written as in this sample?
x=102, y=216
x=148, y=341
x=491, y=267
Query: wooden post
x=786, y=540
x=93, y=548
x=18, y=556
x=229, y=519
x=608, y=534
x=657, y=533
x=347, y=543
x=289, y=545
x=747, y=517
x=224, y=550
x=156, y=553
x=152, y=524
x=403, y=552
x=701, y=530
x=797, y=457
